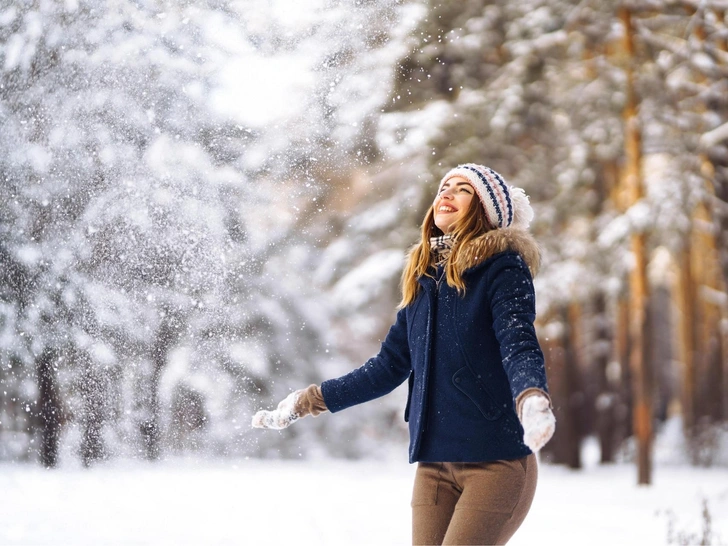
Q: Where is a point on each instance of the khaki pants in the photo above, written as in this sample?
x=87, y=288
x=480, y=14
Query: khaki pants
x=471, y=503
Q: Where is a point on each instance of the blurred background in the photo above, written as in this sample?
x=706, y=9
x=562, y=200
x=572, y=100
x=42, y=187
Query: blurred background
x=205, y=205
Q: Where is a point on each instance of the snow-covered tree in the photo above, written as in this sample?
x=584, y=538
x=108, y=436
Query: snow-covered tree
x=161, y=211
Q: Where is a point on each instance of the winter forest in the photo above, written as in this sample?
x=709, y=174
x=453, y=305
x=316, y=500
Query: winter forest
x=206, y=205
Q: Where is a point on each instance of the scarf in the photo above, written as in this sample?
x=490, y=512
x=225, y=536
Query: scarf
x=440, y=247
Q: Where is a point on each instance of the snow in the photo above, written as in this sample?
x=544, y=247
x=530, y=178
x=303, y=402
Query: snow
x=403, y=134
x=331, y=502
x=711, y=138
x=366, y=282
x=276, y=86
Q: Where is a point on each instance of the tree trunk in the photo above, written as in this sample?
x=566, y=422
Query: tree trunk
x=708, y=273
x=622, y=351
x=607, y=398
x=50, y=408
x=169, y=331
x=632, y=182
x=701, y=295
x=687, y=329
x=574, y=386
x=94, y=393
x=662, y=354
x=566, y=393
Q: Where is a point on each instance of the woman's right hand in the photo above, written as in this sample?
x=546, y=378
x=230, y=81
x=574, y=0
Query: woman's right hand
x=298, y=404
x=281, y=417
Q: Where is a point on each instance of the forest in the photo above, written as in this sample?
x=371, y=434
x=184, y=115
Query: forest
x=206, y=205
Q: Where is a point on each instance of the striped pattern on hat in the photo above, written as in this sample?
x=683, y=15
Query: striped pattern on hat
x=504, y=205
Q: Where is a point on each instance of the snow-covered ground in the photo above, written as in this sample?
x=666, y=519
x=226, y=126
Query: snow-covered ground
x=331, y=502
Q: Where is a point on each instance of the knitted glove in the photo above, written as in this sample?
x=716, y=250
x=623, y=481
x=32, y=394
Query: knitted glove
x=298, y=404
x=537, y=419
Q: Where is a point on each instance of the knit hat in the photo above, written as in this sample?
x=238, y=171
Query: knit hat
x=505, y=205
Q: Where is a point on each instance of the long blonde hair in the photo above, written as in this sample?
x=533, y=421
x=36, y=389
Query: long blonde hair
x=473, y=224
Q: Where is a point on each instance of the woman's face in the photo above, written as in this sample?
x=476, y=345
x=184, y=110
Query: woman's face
x=452, y=202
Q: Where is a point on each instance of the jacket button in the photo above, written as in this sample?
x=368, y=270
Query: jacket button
x=457, y=380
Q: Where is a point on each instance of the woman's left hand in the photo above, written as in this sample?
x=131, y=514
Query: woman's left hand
x=538, y=421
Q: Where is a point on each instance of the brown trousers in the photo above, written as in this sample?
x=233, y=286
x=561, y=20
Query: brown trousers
x=471, y=503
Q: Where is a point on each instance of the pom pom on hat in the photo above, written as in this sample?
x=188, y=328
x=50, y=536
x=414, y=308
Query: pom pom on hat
x=505, y=205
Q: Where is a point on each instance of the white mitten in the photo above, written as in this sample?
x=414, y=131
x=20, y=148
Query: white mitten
x=538, y=421
x=281, y=417
x=300, y=403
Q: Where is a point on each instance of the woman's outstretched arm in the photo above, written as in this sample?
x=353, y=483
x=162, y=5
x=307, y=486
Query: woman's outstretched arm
x=377, y=377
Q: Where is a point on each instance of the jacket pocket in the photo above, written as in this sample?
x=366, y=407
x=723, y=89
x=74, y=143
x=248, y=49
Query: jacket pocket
x=468, y=384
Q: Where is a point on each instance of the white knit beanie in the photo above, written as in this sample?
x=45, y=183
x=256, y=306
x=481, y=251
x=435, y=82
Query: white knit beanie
x=505, y=205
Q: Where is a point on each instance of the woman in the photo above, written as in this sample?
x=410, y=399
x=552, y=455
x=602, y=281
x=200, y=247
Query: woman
x=478, y=402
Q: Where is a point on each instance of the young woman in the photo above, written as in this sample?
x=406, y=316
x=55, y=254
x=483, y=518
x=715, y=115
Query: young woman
x=464, y=337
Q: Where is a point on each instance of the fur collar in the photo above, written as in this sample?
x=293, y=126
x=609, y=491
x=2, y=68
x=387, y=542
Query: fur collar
x=500, y=240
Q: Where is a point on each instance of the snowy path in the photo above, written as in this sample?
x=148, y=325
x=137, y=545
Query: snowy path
x=337, y=503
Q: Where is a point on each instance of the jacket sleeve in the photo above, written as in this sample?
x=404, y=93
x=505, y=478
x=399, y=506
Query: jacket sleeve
x=377, y=377
x=513, y=305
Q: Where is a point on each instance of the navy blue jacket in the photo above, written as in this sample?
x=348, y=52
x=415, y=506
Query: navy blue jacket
x=467, y=357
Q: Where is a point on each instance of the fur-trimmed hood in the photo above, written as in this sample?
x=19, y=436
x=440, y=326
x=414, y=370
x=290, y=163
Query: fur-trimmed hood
x=500, y=240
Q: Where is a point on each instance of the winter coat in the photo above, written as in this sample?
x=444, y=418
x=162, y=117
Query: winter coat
x=468, y=357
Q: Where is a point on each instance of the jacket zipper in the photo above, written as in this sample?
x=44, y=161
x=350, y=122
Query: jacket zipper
x=438, y=281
